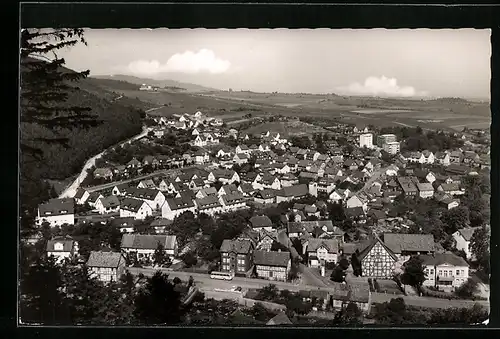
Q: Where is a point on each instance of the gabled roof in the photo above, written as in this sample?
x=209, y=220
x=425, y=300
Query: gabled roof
x=354, y=212
x=426, y=186
x=409, y=242
x=450, y=187
x=271, y=258
x=266, y=193
x=372, y=243
x=147, y=241
x=131, y=204
x=79, y=193
x=57, y=207
x=294, y=191
x=240, y=246
x=104, y=259
x=331, y=245
x=66, y=241
x=179, y=203
x=467, y=232
x=123, y=222
x=443, y=258
x=211, y=201
x=111, y=201
x=261, y=221
x=233, y=198
x=280, y=319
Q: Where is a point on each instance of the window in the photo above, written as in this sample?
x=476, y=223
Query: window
x=432, y=271
x=445, y=273
x=458, y=272
x=462, y=272
x=440, y=272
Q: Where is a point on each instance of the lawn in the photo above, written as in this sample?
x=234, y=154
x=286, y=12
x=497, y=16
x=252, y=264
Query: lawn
x=285, y=128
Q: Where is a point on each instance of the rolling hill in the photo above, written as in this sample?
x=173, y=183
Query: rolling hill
x=120, y=119
x=185, y=87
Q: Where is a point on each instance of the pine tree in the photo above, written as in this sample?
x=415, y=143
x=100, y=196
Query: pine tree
x=45, y=86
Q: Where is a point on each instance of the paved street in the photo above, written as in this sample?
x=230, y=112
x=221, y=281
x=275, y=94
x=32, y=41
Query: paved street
x=204, y=283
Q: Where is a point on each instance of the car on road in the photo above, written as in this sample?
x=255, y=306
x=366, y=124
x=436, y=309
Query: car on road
x=236, y=289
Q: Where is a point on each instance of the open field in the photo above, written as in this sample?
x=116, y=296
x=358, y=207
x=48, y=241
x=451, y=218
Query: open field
x=285, y=128
x=448, y=113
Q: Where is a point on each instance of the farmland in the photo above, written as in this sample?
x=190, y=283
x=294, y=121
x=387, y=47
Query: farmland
x=447, y=113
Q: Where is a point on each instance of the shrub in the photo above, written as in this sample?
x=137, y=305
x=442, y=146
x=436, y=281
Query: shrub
x=376, y=286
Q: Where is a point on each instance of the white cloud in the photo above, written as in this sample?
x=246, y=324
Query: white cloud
x=203, y=61
x=381, y=86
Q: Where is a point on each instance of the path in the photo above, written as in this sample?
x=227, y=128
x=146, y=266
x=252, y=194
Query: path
x=70, y=191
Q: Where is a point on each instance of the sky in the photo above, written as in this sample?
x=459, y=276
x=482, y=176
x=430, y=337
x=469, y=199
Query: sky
x=379, y=62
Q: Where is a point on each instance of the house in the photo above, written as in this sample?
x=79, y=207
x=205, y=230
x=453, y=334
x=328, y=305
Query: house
x=266, y=239
x=292, y=192
x=201, y=157
x=242, y=149
x=174, y=207
x=148, y=183
x=160, y=224
x=241, y=158
x=428, y=157
x=451, y=189
x=125, y=224
x=103, y=173
x=269, y=181
x=445, y=271
x=138, y=209
x=56, y=212
x=106, y=266
x=205, y=192
x=322, y=250
x=109, y=204
x=282, y=168
x=280, y=319
x=154, y=198
x=462, y=240
x=233, y=201
x=150, y=160
x=408, y=186
x=356, y=201
x=228, y=189
x=446, y=200
x=81, y=196
x=134, y=163
x=456, y=157
x=356, y=214
x=266, y=196
x=392, y=170
x=145, y=245
x=209, y=205
x=377, y=215
x=406, y=245
x=377, y=260
x=288, y=180
x=261, y=222
x=223, y=175
x=272, y=265
x=339, y=195
x=246, y=189
x=425, y=190
x=236, y=256
x=442, y=158
x=62, y=248
x=120, y=189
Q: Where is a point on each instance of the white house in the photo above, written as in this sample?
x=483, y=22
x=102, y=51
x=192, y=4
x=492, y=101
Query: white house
x=321, y=251
x=282, y=169
x=429, y=157
x=446, y=271
x=200, y=141
x=425, y=190
x=234, y=201
x=272, y=265
x=229, y=189
x=224, y=176
x=155, y=198
x=138, y=209
x=62, y=248
x=241, y=158
x=81, y=196
x=391, y=171
x=366, y=140
x=176, y=206
x=356, y=201
x=145, y=245
x=110, y=204
x=462, y=238
x=209, y=205
x=243, y=149
x=57, y=212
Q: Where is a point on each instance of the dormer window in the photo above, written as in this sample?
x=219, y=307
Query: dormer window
x=48, y=213
x=58, y=246
x=64, y=211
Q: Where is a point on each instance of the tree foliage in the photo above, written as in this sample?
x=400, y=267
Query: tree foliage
x=413, y=274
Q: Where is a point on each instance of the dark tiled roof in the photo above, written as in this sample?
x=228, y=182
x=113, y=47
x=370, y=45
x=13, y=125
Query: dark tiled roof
x=148, y=242
x=104, y=259
x=409, y=242
x=211, y=201
x=271, y=258
x=233, y=198
x=57, y=207
x=66, y=241
x=111, y=201
x=79, y=193
x=331, y=245
x=280, y=319
x=467, y=232
x=294, y=191
x=237, y=246
x=354, y=212
x=131, y=204
x=123, y=222
x=179, y=203
x=443, y=258
x=261, y=221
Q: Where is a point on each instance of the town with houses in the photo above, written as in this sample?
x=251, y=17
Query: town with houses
x=336, y=236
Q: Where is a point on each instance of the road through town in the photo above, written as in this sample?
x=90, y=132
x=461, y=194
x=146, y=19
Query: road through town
x=70, y=191
x=205, y=284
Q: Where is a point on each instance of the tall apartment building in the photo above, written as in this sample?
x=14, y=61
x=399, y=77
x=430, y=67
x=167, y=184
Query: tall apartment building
x=391, y=147
x=366, y=139
x=384, y=139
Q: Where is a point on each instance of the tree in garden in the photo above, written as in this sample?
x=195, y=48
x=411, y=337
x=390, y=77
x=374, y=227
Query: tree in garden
x=413, y=273
x=338, y=274
x=467, y=289
x=268, y=293
x=349, y=315
x=189, y=259
x=356, y=264
x=160, y=255
x=157, y=302
x=455, y=219
x=480, y=247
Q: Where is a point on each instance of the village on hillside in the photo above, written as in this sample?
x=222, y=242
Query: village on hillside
x=339, y=223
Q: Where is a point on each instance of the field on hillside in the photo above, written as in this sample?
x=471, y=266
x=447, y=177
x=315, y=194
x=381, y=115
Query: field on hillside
x=285, y=128
x=447, y=114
